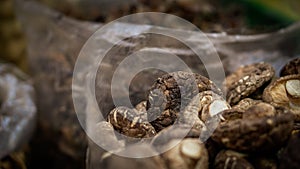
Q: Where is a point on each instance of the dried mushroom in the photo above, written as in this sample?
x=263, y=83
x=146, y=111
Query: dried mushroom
x=285, y=92
x=260, y=128
x=202, y=112
x=174, y=132
x=184, y=108
x=210, y=104
x=142, y=107
x=190, y=115
x=131, y=123
x=246, y=103
x=104, y=135
x=246, y=81
x=171, y=93
x=112, y=161
x=188, y=154
x=292, y=67
x=227, y=159
x=290, y=157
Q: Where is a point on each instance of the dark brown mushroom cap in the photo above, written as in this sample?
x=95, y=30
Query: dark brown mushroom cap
x=172, y=93
x=257, y=129
x=130, y=122
x=246, y=80
x=292, y=67
x=231, y=159
x=280, y=92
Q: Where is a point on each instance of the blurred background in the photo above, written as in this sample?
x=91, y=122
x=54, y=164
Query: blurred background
x=232, y=16
x=58, y=140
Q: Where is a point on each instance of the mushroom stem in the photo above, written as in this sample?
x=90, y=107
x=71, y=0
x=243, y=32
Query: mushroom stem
x=293, y=92
x=191, y=149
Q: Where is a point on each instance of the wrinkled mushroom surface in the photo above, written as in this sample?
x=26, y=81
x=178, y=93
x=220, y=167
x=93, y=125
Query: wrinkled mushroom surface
x=260, y=128
x=246, y=81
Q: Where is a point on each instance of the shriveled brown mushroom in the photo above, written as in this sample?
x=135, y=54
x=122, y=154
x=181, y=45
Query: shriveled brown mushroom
x=141, y=107
x=172, y=93
x=285, y=92
x=187, y=154
x=246, y=81
x=210, y=104
x=246, y=103
x=228, y=159
x=130, y=123
x=190, y=116
x=203, y=108
x=260, y=128
x=292, y=67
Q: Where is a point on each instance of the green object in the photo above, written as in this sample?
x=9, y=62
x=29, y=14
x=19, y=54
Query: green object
x=276, y=10
x=270, y=14
x=281, y=9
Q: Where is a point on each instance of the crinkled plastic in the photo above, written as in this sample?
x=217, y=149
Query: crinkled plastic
x=53, y=45
x=18, y=110
x=276, y=48
x=55, y=42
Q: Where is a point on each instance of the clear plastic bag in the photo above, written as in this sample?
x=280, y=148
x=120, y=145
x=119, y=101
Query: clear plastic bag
x=275, y=48
x=55, y=42
x=53, y=45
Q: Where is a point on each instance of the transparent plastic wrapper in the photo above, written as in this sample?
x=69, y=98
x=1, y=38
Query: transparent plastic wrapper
x=53, y=45
x=55, y=42
x=275, y=48
x=18, y=110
